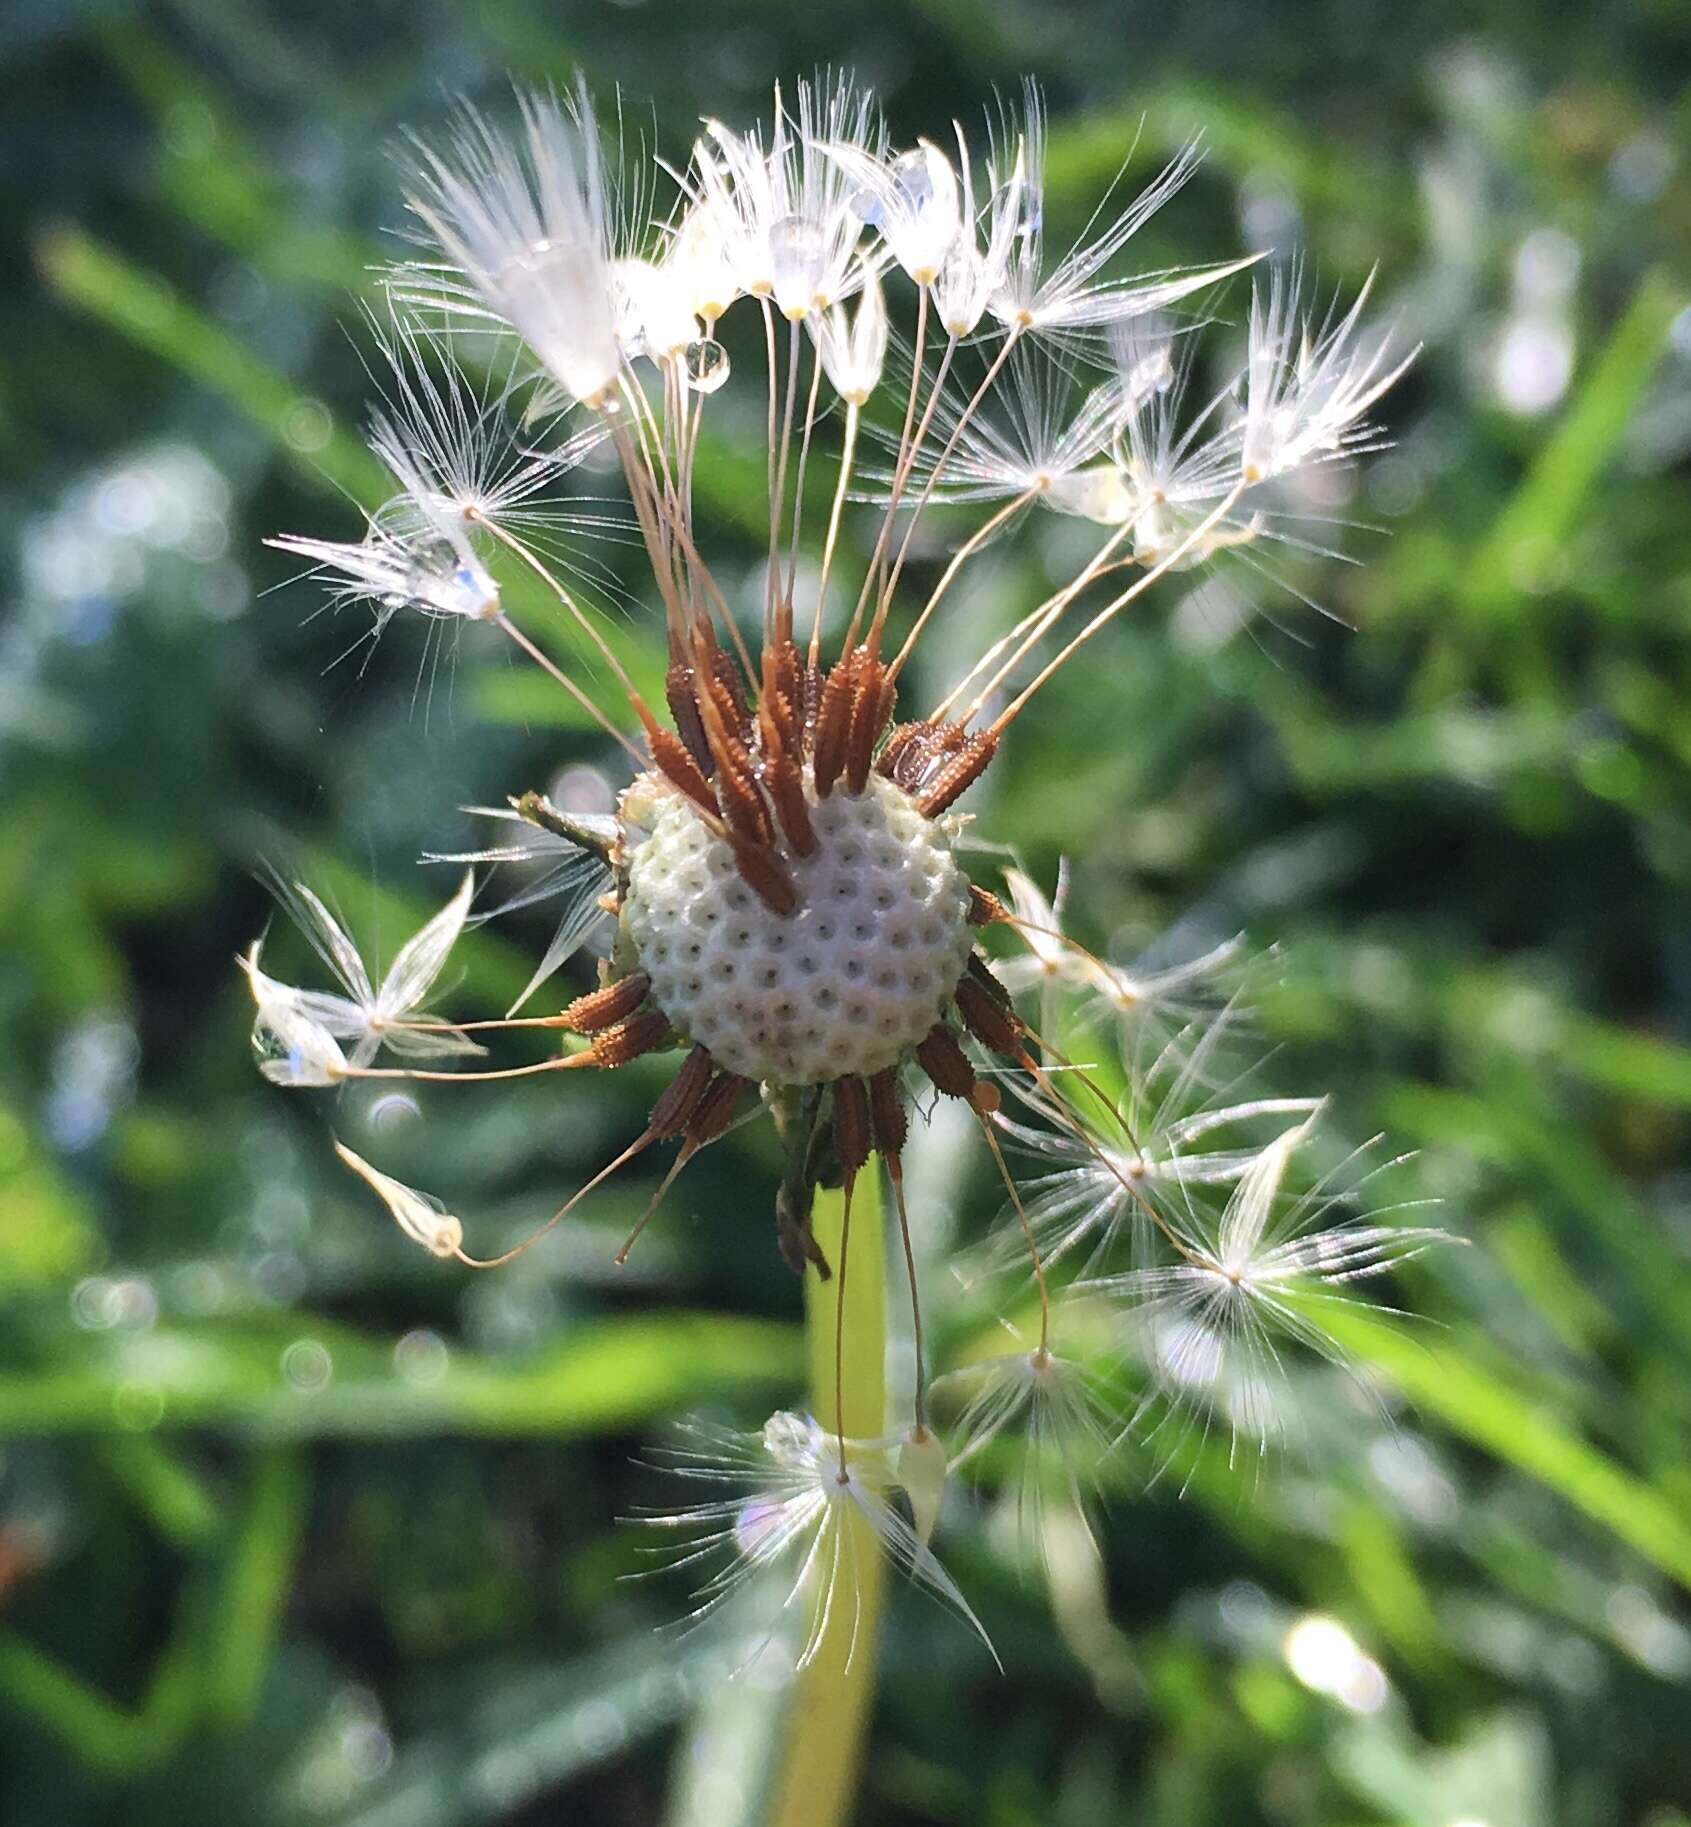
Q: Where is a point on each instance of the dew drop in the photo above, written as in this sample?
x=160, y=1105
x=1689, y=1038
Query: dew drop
x=707, y=365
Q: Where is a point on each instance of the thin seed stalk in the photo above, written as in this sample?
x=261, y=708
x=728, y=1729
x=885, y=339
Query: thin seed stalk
x=828, y=1711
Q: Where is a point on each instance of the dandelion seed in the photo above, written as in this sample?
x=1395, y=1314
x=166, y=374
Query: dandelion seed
x=391, y=1015
x=571, y=856
x=1039, y=926
x=1307, y=391
x=786, y=215
x=1073, y=295
x=853, y=353
x=971, y=273
x=525, y=227
x=912, y=201
x=1114, y=1172
x=459, y=474
x=922, y=1468
x=1059, y=1412
x=1250, y=1279
x=698, y=268
x=807, y=1515
x=1031, y=440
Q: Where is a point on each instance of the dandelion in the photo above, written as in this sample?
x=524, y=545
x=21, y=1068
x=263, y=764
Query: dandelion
x=782, y=891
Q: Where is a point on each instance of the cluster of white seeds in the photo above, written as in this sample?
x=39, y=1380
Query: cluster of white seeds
x=849, y=982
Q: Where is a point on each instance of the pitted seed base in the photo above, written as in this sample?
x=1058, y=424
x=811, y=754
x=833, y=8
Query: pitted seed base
x=848, y=983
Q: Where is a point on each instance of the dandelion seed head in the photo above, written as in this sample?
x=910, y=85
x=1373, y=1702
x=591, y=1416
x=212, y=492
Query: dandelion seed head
x=780, y=899
x=847, y=983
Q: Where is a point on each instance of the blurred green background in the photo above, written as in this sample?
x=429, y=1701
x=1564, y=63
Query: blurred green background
x=298, y=1526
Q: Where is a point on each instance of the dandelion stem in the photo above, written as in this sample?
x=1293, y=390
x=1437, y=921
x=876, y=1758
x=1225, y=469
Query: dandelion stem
x=829, y=1708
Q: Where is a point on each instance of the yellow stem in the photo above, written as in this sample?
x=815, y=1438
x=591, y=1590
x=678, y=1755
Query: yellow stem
x=828, y=1711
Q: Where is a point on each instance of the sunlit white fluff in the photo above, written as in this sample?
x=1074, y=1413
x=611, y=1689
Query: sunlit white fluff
x=1307, y=389
x=1108, y=1172
x=1250, y=1279
x=458, y=474
x=854, y=348
x=912, y=201
x=391, y=1014
x=784, y=208
x=805, y=1515
x=1075, y=293
x=291, y=1047
x=1060, y=1413
x=1031, y=438
x=524, y=223
x=571, y=875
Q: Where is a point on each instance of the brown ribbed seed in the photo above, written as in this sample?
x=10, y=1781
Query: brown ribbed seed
x=715, y=1110
x=833, y=723
x=728, y=695
x=670, y=756
x=959, y=774
x=897, y=743
x=851, y=1125
x=784, y=779
x=981, y=972
x=603, y=1008
x=924, y=756
x=872, y=711
x=783, y=687
x=887, y=1121
x=945, y=1062
x=992, y=1025
x=985, y=908
x=765, y=875
x=684, y=708
x=629, y=1039
x=737, y=793
x=679, y=1103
